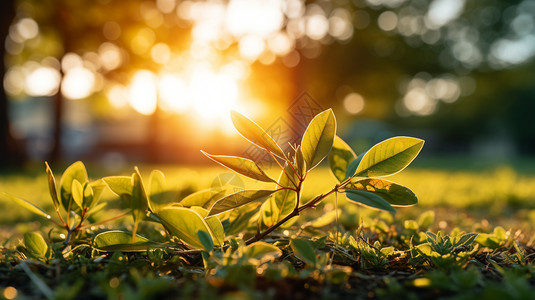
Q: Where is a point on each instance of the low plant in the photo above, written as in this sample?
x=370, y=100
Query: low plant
x=206, y=219
x=359, y=177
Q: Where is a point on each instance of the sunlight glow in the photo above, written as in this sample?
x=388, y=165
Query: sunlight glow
x=142, y=41
x=71, y=60
x=14, y=80
x=251, y=47
x=442, y=12
x=254, y=17
x=110, y=56
x=78, y=83
x=118, y=96
x=173, y=93
x=160, y=53
x=317, y=26
x=142, y=92
x=213, y=94
x=42, y=81
x=27, y=28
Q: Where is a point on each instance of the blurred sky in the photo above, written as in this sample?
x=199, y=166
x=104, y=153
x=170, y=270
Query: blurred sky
x=123, y=80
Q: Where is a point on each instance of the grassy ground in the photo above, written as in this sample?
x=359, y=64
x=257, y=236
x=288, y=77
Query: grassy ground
x=498, y=202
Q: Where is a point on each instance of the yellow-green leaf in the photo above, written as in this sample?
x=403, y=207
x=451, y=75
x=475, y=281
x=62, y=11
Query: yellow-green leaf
x=318, y=138
x=300, y=161
x=238, y=199
x=214, y=224
x=158, y=197
x=75, y=171
x=282, y=203
x=184, y=223
x=92, y=192
x=241, y=165
x=140, y=202
x=340, y=157
x=120, y=185
x=393, y=193
x=203, y=198
x=52, y=186
x=26, y=204
x=255, y=134
x=116, y=240
x=389, y=156
x=36, y=245
x=263, y=252
x=77, y=191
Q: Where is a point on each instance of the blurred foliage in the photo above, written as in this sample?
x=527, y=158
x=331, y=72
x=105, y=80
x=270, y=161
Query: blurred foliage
x=462, y=77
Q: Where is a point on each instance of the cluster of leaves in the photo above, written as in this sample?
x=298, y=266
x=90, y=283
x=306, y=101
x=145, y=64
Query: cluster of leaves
x=409, y=260
x=207, y=219
x=211, y=234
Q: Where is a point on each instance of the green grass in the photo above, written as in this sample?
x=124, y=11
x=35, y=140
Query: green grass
x=498, y=203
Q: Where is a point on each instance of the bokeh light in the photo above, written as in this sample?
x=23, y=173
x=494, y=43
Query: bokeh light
x=142, y=92
x=195, y=60
x=354, y=103
x=77, y=83
x=41, y=80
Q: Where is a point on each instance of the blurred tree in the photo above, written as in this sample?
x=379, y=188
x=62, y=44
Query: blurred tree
x=412, y=63
x=10, y=153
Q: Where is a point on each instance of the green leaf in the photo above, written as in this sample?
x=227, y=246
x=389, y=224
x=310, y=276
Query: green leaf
x=26, y=204
x=288, y=178
x=92, y=192
x=241, y=165
x=255, y=134
x=75, y=171
x=214, y=224
x=304, y=250
x=97, y=207
x=393, y=193
x=158, y=196
x=300, y=161
x=389, y=156
x=52, y=186
x=77, y=191
x=259, y=249
x=206, y=240
x=238, y=199
x=340, y=157
x=120, y=185
x=240, y=218
x=36, y=245
x=282, y=203
x=352, y=167
x=140, y=202
x=466, y=239
x=318, y=138
x=204, y=198
x=116, y=240
x=369, y=199
x=184, y=223
x=263, y=251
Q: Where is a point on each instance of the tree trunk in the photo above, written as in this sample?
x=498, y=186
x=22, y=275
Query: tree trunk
x=10, y=152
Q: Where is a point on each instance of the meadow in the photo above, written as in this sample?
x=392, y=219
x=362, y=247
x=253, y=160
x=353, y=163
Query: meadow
x=422, y=252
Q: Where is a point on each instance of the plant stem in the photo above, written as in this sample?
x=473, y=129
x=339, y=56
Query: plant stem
x=294, y=213
x=106, y=221
x=287, y=161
